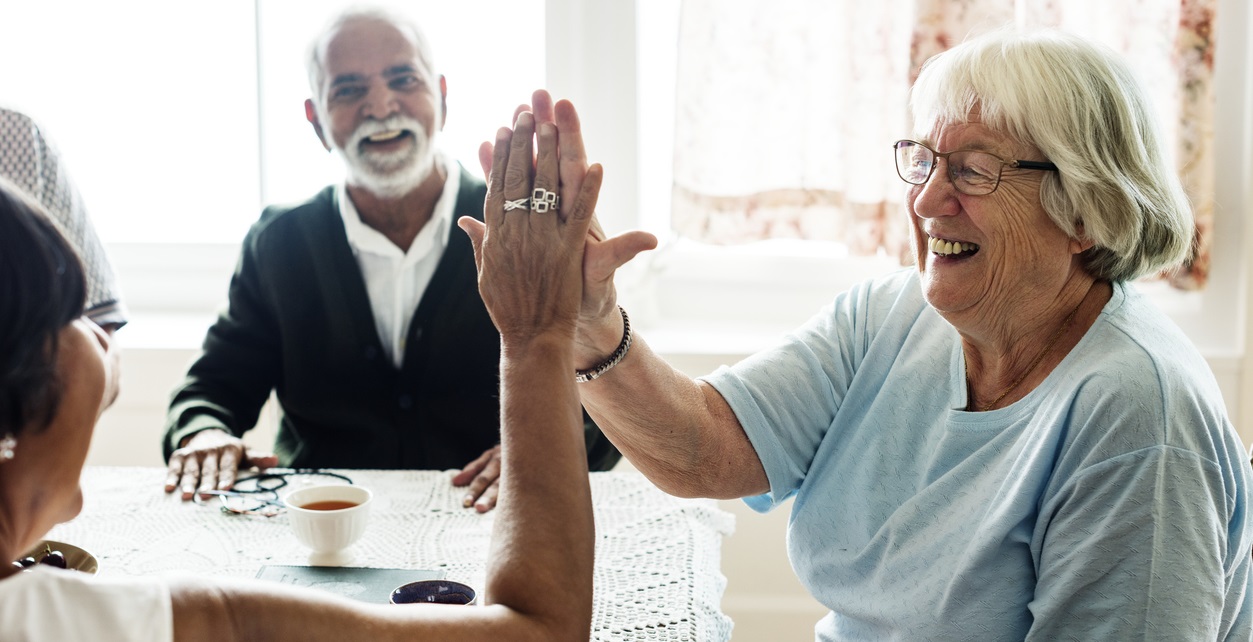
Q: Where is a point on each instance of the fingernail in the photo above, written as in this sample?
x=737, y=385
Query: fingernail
x=469, y=499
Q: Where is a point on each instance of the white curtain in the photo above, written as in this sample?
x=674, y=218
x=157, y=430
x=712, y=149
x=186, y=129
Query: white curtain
x=786, y=110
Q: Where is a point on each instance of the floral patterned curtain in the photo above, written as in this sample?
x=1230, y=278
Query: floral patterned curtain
x=786, y=110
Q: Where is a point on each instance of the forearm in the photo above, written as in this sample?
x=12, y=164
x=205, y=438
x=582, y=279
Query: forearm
x=601, y=453
x=680, y=433
x=225, y=388
x=192, y=412
x=221, y=610
x=543, y=541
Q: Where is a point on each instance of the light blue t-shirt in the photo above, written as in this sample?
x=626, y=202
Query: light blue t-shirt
x=1110, y=503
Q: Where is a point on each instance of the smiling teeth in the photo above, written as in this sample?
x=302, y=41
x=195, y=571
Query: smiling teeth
x=945, y=248
x=384, y=136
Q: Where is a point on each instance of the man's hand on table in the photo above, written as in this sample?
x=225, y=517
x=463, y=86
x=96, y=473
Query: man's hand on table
x=483, y=475
x=209, y=460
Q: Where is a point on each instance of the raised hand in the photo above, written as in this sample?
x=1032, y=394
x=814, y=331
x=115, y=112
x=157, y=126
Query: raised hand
x=529, y=256
x=600, y=326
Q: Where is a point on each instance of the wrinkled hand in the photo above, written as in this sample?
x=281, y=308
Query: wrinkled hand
x=483, y=476
x=210, y=460
x=602, y=256
x=529, y=261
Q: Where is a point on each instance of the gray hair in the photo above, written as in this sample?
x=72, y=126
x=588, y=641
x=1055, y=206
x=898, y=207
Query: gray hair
x=1079, y=104
x=313, y=57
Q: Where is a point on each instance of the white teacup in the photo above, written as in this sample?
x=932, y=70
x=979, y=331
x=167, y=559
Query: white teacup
x=329, y=519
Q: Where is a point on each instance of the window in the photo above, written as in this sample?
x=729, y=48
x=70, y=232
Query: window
x=152, y=104
x=758, y=276
x=179, y=120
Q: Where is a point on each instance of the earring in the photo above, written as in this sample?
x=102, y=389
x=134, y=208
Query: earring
x=7, y=444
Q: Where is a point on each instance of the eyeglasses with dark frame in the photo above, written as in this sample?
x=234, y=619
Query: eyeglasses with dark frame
x=258, y=494
x=972, y=172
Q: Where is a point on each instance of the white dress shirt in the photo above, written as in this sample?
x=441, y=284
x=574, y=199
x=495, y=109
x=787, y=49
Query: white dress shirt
x=395, y=279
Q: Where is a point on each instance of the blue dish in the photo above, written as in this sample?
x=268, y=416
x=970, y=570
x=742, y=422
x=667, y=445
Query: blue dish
x=433, y=592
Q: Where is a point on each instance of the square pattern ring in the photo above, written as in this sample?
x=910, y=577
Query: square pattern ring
x=543, y=200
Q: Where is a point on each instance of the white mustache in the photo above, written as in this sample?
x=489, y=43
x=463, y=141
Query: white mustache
x=391, y=123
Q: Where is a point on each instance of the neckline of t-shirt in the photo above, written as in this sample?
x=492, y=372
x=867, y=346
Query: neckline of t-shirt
x=1031, y=402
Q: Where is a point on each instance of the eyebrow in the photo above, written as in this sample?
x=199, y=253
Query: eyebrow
x=344, y=79
x=981, y=146
x=397, y=70
x=394, y=70
x=976, y=146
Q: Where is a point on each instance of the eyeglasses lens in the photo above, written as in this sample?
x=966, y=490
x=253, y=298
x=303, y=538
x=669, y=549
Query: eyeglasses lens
x=913, y=162
x=972, y=172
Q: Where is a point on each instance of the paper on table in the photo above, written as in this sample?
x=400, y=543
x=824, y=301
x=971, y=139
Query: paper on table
x=360, y=583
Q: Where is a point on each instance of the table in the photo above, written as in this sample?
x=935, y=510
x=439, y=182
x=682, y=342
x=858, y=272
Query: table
x=658, y=558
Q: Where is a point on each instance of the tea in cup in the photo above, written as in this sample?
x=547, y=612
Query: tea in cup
x=329, y=519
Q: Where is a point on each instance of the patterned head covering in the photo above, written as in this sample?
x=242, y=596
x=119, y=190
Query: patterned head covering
x=32, y=163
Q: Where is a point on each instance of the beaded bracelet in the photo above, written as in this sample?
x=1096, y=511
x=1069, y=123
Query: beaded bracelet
x=583, y=376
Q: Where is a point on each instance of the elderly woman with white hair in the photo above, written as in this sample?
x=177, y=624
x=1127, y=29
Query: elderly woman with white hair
x=1005, y=441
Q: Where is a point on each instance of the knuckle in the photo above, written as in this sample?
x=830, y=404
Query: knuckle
x=516, y=178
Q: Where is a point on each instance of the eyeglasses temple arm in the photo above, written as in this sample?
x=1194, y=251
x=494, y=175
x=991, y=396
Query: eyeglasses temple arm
x=1025, y=164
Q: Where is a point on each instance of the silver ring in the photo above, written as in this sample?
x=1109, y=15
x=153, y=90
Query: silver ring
x=545, y=200
x=519, y=204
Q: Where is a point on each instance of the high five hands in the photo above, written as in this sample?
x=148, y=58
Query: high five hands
x=548, y=268
x=561, y=150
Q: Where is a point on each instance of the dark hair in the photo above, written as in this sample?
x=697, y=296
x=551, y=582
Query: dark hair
x=42, y=289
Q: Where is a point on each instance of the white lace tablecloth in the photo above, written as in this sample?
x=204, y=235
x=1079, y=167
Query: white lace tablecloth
x=658, y=558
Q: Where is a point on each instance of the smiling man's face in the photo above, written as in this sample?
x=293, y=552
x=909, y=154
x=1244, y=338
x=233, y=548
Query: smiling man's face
x=379, y=106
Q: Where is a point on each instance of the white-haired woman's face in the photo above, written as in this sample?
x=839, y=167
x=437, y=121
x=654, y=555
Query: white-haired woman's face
x=989, y=254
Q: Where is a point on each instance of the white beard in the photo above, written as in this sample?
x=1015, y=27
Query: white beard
x=388, y=175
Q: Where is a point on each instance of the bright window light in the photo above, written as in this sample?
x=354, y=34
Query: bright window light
x=179, y=121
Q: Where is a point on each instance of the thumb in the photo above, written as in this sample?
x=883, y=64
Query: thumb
x=475, y=229
x=611, y=254
x=261, y=459
x=485, y=158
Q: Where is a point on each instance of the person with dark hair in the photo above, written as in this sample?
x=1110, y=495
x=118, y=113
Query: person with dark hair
x=57, y=377
x=358, y=308
x=43, y=288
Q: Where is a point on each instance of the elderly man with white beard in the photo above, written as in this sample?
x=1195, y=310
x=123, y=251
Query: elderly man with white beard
x=359, y=308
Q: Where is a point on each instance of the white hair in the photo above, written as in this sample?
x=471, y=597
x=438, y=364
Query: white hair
x=313, y=58
x=1080, y=105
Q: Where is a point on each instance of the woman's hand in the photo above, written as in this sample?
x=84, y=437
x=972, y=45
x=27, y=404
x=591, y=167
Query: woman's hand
x=530, y=253
x=599, y=324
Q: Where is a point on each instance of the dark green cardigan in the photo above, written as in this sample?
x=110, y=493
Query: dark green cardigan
x=299, y=323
